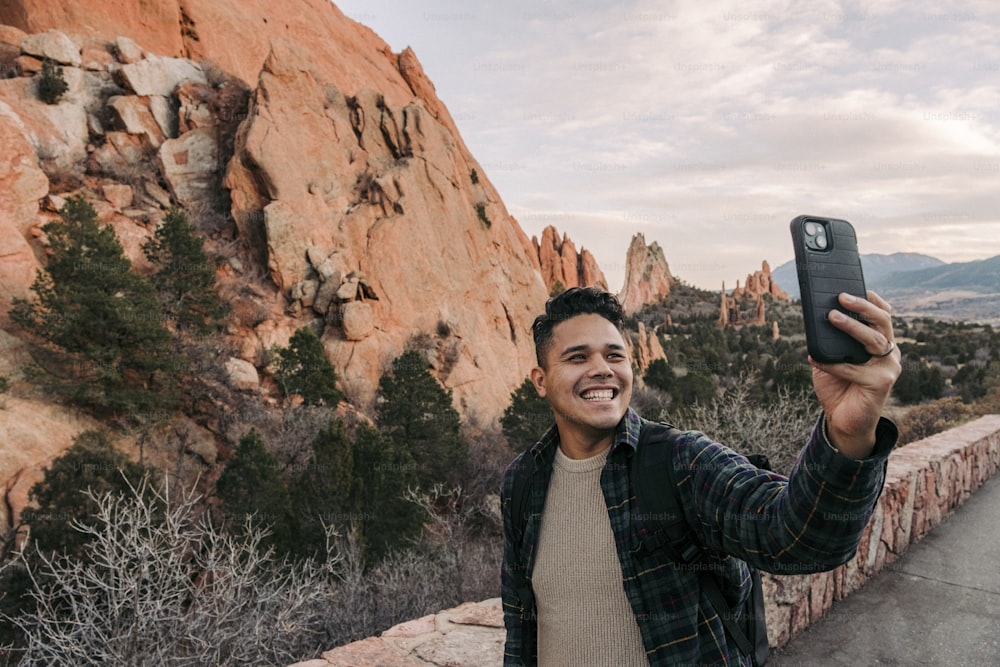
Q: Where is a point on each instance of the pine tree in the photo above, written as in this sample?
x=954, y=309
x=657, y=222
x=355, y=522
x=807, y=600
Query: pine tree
x=417, y=414
x=324, y=493
x=251, y=488
x=91, y=462
x=304, y=369
x=384, y=471
x=661, y=376
x=185, y=278
x=99, y=321
x=526, y=418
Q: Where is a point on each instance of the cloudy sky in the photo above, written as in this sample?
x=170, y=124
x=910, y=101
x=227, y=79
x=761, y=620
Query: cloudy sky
x=707, y=126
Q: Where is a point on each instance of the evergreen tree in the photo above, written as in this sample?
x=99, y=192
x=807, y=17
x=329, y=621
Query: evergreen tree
x=384, y=471
x=692, y=388
x=99, y=321
x=304, y=369
x=185, y=278
x=251, y=488
x=323, y=494
x=416, y=413
x=91, y=462
x=526, y=418
x=661, y=376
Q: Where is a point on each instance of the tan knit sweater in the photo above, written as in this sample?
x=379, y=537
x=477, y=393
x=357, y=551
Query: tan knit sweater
x=584, y=618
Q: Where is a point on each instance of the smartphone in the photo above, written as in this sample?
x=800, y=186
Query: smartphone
x=827, y=263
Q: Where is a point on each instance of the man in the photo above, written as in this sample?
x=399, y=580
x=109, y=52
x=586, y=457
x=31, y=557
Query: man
x=575, y=594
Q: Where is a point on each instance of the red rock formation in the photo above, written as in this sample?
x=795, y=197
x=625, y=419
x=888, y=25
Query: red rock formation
x=560, y=262
x=760, y=283
x=647, y=276
x=345, y=163
x=645, y=348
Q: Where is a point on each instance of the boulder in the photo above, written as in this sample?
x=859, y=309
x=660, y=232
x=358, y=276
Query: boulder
x=157, y=75
x=96, y=56
x=195, y=101
x=242, y=375
x=28, y=65
x=165, y=113
x=118, y=195
x=286, y=261
x=120, y=154
x=134, y=115
x=190, y=163
x=53, y=45
x=357, y=320
x=12, y=36
x=325, y=295
x=128, y=51
x=160, y=196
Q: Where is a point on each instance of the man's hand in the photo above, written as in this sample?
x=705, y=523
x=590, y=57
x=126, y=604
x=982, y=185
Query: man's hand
x=853, y=395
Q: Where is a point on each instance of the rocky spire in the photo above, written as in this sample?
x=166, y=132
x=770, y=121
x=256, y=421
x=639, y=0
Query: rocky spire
x=759, y=283
x=561, y=263
x=647, y=276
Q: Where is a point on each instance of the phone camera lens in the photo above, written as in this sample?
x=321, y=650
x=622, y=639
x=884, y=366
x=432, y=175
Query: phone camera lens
x=821, y=242
x=813, y=228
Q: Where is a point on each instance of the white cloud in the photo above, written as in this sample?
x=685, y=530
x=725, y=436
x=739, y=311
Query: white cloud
x=708, y=126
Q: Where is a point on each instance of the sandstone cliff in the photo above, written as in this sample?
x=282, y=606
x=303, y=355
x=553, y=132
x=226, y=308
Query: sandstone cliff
x=348, y=179
x=560, y=262
x=647, y=276
x=350, y=201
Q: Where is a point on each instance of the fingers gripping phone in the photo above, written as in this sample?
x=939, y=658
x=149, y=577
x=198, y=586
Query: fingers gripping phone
x=827, y=263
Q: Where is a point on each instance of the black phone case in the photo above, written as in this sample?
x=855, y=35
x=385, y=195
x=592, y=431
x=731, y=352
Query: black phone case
x=822, y=276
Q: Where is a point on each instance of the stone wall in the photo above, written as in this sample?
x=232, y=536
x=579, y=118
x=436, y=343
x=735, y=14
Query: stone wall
x=926, y=480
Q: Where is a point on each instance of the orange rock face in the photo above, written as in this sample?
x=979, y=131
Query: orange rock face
x=647, y=275
x=760, y=283
x=348, y=180
x=560, y=262
x=346, y=163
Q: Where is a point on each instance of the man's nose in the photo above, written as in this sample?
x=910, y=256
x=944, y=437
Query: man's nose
x=600, y=367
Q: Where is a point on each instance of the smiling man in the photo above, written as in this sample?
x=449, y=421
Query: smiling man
x=577, y=592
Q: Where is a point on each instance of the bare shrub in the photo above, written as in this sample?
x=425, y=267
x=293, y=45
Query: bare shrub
x=778, y=428
x=650, y=402
x=463, y=537
x=163, y=587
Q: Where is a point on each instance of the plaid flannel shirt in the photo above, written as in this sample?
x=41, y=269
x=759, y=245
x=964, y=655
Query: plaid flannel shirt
x=809, y=522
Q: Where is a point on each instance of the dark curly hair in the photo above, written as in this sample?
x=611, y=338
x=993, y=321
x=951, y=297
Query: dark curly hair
x=574, y=301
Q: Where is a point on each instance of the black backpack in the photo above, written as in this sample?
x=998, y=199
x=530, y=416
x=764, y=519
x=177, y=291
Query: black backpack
x=657, y=498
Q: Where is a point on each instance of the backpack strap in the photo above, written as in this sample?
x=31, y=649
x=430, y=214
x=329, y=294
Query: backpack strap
x=520, y=509
x=655, y=486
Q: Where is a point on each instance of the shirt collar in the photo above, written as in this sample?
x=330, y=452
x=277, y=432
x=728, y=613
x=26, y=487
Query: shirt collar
x=626, y=435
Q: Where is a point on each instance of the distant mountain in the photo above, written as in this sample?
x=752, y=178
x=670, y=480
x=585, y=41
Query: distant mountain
x=922, y=286
x=981, y=276
x=877, y=269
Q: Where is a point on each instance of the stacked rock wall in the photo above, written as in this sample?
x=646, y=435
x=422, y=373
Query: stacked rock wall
x=925, y=481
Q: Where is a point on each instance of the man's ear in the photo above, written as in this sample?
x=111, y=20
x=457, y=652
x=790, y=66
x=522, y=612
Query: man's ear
x=538, y=379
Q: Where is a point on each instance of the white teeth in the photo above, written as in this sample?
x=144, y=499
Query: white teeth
x=599, y=395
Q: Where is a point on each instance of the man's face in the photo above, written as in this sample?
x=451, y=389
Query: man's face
x=587, y=377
